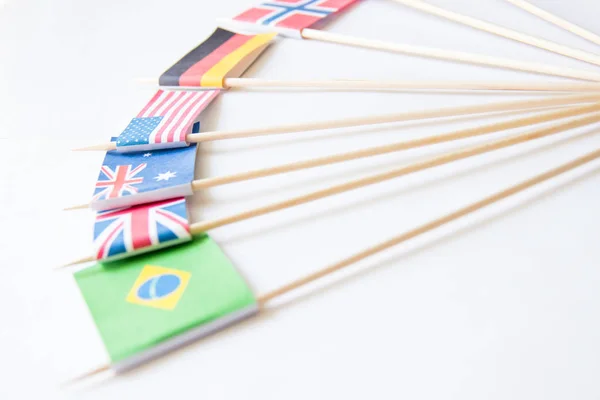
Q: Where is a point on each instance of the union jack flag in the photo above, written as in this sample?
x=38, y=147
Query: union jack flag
x=292, y=14
x=165, y=121
x=118, y=181
x=117, y=233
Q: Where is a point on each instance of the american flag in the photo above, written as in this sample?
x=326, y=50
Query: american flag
x=165, y=121
x=140, y=228
x=118, y=181
x=292, y=14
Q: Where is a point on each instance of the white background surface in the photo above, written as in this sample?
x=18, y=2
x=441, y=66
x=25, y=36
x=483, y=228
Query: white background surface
x=503, y=304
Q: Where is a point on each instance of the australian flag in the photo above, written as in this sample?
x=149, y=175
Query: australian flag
x=128, y=179
x=117, y=233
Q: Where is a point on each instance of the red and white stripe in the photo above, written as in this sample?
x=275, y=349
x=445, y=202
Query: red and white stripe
x=179, y=109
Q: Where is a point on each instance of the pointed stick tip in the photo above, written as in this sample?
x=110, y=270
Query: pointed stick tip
x=76, y=262
x=77, y=207
x=84, y=376
x=97, y=147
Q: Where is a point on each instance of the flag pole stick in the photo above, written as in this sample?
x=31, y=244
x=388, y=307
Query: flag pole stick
x=201, y=227
x=422, y=229
x=393, y=147
x=205, y=183
x=556, y=20
x=391, y=85
x=373, y=120
x=432, y=85
x=502, y=31
x=263, y=299
x=449, y=55
x=86, y=375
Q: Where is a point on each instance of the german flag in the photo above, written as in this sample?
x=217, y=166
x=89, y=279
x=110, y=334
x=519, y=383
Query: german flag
x=223, y=55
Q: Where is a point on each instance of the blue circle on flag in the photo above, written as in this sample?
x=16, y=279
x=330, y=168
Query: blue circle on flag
x=158, y=287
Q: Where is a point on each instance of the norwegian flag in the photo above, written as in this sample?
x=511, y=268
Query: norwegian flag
x=165, y=121
x=117, y=233
x=118, y=181
x=292, y=15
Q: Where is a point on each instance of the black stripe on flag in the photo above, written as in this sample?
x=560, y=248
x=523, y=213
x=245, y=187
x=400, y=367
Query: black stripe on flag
x=171, y=76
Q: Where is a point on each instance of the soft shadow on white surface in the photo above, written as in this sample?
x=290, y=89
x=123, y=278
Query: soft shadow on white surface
x=394, y=195
x=275, y=141
x=321, y=293
x=457, y=234
x=503, y=310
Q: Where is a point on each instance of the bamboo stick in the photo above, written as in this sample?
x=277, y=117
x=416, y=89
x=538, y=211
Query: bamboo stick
x=422, y=229
x=556, y=20
x=263, y=299
x=374, y=120
x=201, y=227
x=393, y=85
x=449, y=55
x=96, y=371
x=502, y=31
x=205, y=183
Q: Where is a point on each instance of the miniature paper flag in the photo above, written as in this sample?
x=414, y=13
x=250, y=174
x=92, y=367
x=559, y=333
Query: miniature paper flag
x=289, y=17
x=128, y=179
x=119, y=233
x=149, y=305
x=165, y=121
x=223, y=55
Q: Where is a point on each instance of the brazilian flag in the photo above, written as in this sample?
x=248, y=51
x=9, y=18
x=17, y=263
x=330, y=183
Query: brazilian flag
x=148, y=305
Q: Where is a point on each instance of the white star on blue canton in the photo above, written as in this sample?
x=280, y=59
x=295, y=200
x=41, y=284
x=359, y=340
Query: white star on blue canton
x=138, y=131
x=165, y=176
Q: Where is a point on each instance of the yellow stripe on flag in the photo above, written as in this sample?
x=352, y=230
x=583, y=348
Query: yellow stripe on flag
x=215, y=76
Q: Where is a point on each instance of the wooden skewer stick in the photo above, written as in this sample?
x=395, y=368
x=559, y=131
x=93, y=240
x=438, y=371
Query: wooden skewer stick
x=393, y=147
x=449, y=55
x=513, y=190
x=502, y=31
x=430, y=226
x=398, y=85
x=88, y=374
x=205, y=183
x=373, y=120
x=201, y=227
x=554, y=19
